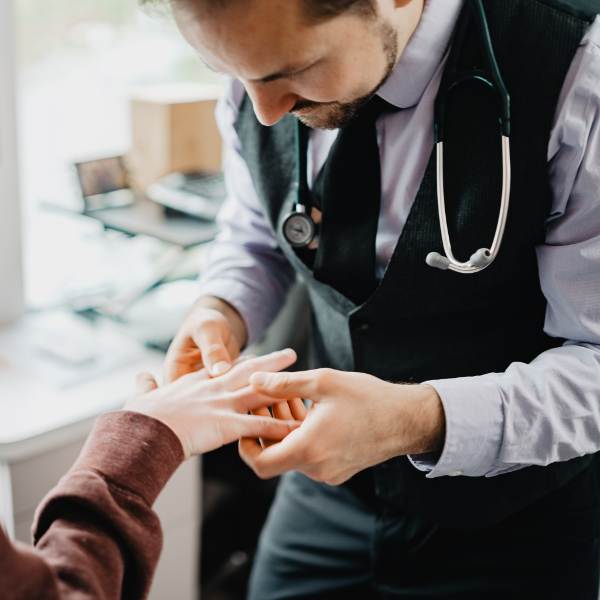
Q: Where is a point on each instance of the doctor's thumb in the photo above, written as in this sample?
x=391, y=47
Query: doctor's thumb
x=260, y=380
x=284, y=385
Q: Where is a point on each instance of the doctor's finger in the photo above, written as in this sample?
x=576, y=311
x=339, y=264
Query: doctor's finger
x=302, y=384
x=275, y=459
x=233, y=349
x=183, y=357
x=249, y=400
x=210, y=339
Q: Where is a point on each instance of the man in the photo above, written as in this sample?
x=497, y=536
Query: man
x=476, y=477
x=95, y=534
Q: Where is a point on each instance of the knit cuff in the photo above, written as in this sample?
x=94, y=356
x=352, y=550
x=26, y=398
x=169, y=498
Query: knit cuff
x=132, y=450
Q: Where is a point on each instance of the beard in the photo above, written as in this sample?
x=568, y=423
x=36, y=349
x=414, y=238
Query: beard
x=340, y=114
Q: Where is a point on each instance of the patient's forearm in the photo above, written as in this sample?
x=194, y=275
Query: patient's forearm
x=95, y=535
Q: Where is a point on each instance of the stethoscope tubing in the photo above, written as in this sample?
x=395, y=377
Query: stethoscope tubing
x=467, y=267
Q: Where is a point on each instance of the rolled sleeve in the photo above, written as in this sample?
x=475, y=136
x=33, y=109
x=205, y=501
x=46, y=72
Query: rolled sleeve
x=474, y=425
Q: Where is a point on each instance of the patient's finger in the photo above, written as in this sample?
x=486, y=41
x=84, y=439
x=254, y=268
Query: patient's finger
x=262, y=427
x=261, y=412
x=276, y=361
x=241, y=359
x=248, y=400
x=281, y=410
x=145, y=382
x=297, y=408
x=201, y=375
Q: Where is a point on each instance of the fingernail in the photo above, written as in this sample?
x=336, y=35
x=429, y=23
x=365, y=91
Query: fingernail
x=288, y=352
x=259, y=379
x=220, y=368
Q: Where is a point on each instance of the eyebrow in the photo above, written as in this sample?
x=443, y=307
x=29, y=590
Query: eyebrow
x=285, y=73
x=273, y=77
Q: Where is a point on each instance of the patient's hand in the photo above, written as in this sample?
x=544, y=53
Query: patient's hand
x=206, y=413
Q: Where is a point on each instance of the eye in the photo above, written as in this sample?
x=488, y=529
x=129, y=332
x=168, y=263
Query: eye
x=209, y=67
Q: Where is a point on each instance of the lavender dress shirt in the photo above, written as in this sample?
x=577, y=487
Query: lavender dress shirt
x=532, y=414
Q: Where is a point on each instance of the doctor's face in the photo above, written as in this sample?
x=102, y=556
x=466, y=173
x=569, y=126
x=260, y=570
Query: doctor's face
x=321, y=71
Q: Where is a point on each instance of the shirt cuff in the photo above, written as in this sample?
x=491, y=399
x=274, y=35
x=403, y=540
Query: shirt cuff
x=474, y=425
x=426, y=461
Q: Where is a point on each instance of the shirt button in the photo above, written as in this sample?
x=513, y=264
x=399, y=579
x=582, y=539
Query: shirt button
x=454, y=473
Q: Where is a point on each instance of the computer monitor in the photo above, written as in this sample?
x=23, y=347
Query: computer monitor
x=11, y=274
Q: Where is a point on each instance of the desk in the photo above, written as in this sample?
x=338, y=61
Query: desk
x=41, y=433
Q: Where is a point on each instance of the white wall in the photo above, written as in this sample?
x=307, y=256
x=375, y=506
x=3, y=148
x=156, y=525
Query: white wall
x=11, y=281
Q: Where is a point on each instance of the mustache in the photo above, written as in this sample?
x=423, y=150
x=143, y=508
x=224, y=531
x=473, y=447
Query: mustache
x=309, y=104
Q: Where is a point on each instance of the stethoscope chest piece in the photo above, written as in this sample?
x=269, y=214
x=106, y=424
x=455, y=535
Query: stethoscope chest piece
x=298, y=228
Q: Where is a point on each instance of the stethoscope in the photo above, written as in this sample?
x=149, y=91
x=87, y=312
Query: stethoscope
x=298, y=227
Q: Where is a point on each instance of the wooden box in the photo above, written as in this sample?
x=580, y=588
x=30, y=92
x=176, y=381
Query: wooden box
x=174, y=129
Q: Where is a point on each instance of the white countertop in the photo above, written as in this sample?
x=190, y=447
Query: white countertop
x=38, y=415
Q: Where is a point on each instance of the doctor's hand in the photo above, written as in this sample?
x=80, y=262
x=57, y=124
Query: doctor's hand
x=210, y=337
x=206, y=413
x=356, y=421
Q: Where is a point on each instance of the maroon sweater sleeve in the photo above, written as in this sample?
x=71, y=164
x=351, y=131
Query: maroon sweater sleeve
x=95, y=534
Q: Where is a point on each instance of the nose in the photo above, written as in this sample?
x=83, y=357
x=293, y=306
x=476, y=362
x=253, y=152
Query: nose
x=270, y=103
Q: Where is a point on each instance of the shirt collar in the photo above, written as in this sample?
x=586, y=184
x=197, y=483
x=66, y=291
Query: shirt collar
x=423, y=54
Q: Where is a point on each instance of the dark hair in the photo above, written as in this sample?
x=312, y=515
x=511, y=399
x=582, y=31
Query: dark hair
x=316, y=10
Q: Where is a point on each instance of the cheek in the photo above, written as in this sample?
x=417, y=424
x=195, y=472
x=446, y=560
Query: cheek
x=343, y=81
x=332, y=87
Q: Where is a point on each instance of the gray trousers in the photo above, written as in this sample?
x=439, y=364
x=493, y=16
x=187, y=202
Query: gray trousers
x=322, y=542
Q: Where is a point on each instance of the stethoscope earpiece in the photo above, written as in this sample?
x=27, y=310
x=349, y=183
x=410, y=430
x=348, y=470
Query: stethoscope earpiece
x=481, y=258
x=435, y=259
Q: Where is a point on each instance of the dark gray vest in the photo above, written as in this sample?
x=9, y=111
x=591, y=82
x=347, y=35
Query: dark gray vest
x=422, y=323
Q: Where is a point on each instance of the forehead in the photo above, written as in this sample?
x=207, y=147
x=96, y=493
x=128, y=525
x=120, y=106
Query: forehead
x=254, y=38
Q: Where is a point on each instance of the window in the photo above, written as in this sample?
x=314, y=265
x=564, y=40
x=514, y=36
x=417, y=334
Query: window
x=77, y=63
